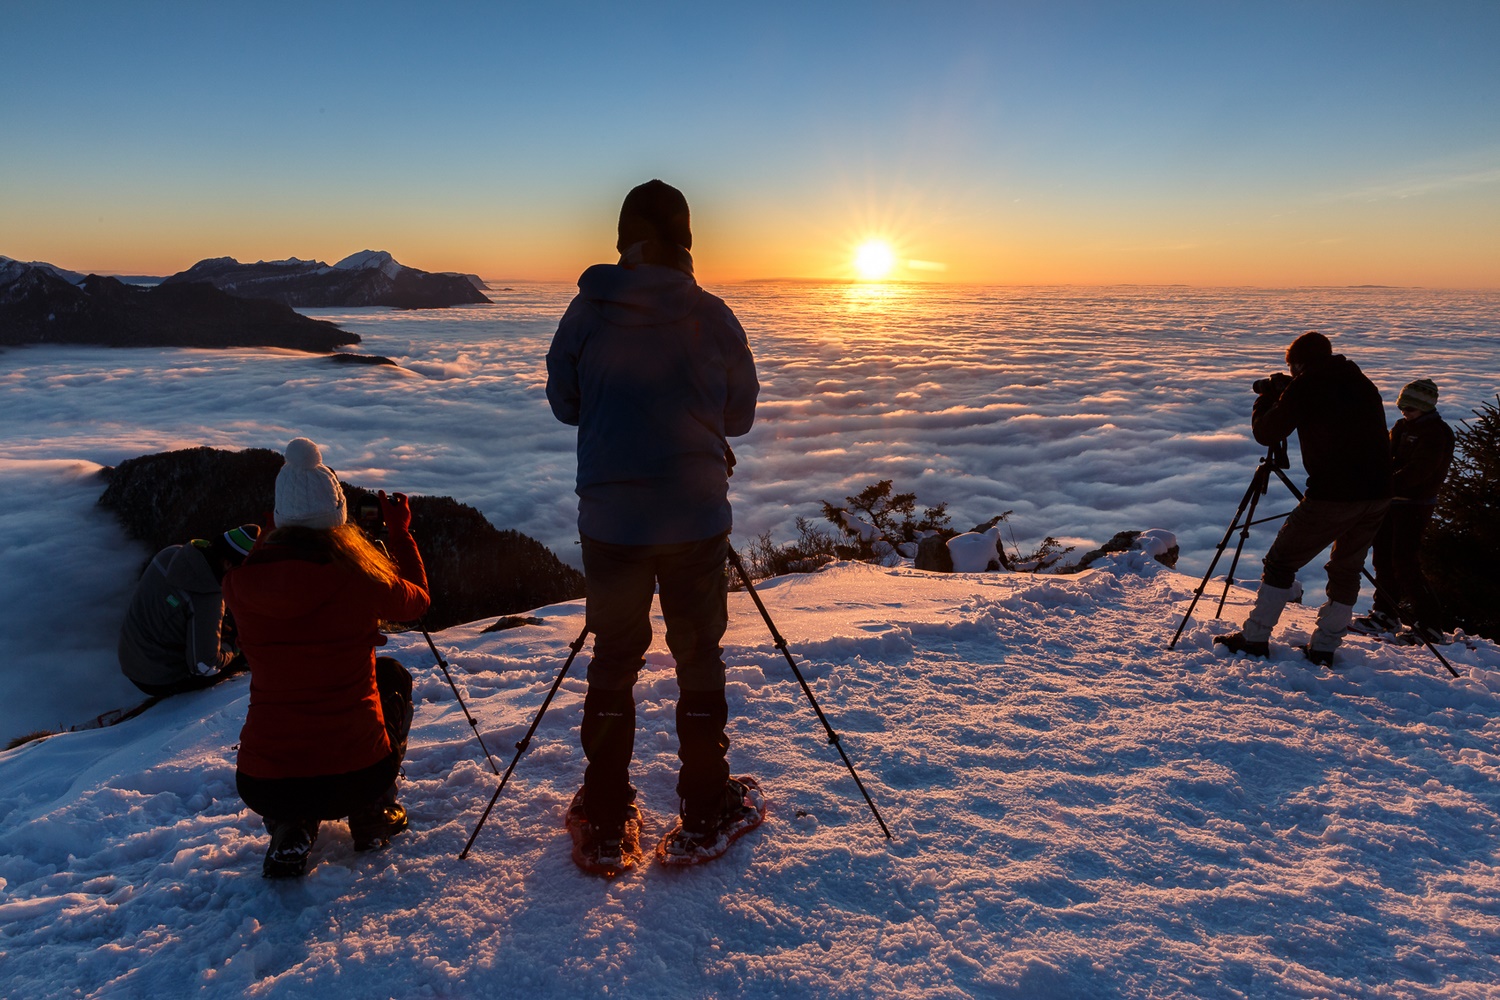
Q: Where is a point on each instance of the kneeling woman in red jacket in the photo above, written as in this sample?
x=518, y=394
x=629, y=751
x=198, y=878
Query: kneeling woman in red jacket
x=326, y=731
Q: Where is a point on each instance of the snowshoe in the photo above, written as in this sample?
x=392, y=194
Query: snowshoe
x=1376, y=623
x=742, y=810
x=1419, y=635
x=600, y=851
x=291, y=844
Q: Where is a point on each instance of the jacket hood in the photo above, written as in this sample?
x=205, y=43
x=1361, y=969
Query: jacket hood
x=189, y=569
x=640, y=294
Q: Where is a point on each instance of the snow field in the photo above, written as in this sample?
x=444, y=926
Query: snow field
x=1076, y=812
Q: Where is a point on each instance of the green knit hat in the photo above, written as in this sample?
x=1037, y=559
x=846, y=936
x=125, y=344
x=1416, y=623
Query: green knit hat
x=1419, y=395
x=242, y=539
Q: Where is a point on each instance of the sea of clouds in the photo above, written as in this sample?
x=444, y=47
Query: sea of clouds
x=1086, y=411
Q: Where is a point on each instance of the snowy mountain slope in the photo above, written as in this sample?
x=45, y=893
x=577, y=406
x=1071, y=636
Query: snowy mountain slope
x=1077, y=812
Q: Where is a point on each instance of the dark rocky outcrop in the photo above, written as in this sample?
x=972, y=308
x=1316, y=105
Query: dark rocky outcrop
x=367, y=278
x=474, y=570
x=933, y=554
x=345, y=358
x=1123, y=541
x=39, y=306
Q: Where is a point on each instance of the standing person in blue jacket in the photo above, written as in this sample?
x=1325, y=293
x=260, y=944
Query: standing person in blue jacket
x=656, y=373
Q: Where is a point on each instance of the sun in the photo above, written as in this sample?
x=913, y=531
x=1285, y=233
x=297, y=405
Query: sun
x=873, y=260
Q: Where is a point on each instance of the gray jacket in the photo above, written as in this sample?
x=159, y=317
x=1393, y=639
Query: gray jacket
x=171, y=631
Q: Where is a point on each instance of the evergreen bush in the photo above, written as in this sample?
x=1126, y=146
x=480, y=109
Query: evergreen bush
x=1463, y=540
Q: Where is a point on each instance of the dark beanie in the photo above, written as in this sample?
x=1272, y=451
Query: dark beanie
x=1308, y=348
x=655, y=211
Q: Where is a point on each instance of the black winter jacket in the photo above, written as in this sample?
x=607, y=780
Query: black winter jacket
x=1340, y=424
x=1421, y=451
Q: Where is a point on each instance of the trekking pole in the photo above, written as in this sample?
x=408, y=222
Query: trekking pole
x=833, y=737
x=473, y=724
x=575, y=646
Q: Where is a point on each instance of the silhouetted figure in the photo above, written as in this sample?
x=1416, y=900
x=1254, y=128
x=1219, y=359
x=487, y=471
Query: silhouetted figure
x=1421, y=451
x=1340, y=424
x=657, y=374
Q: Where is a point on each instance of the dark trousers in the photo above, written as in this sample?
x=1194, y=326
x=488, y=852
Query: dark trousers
x=1348, y=525
x=355, y=793
x=1399, y=580
x=620, y=580
x=193, y=683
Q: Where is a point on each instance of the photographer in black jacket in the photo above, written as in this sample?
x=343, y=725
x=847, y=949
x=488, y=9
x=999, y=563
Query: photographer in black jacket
x=1340, y=423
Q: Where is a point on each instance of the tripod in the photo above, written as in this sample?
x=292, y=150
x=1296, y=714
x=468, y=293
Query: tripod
x=1275, y=461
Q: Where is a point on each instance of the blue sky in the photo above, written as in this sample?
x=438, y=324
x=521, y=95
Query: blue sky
x=1207, y=143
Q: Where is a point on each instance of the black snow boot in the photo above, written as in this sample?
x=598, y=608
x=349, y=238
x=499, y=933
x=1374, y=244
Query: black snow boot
x=1236, y=642
x=291, y=843
x=373, y=827
x=702, y=746
x=1322, y=657
x=608, y=737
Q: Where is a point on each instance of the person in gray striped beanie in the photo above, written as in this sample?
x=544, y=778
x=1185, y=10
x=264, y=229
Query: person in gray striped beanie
x=1421, y=452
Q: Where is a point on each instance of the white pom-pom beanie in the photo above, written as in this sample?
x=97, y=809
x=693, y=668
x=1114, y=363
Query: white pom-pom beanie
x=308, y=494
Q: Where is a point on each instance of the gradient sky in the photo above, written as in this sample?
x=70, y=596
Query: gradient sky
x=1204, y=143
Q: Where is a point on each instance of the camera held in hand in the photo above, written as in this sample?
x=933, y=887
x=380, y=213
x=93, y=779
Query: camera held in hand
x=370, y=520
x=1272, y=385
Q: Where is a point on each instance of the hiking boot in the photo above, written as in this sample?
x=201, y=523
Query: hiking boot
x=291, y=843
x=373, y=830
x=1237, y=643
x=605, y=844
x=1322, y=657
x=704, y=824
x=1375, y=623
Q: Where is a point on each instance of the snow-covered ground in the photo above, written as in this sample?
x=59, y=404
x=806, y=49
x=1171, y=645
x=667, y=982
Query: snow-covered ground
x=1076, y=813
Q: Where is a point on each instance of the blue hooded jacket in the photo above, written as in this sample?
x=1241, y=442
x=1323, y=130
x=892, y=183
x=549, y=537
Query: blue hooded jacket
x=656, y=374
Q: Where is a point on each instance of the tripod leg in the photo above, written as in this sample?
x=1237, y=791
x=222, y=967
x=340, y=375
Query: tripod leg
x=575, y=646
x=1218, y=553
x=1239, y=548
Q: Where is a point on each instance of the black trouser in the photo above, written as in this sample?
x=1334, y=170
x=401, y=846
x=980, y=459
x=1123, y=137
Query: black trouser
x=355, y=794
x=195, y=682
x=1397, y=553
x=620, y=580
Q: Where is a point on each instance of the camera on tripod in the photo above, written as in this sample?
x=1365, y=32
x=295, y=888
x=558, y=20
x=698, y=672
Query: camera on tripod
x=1274, y=384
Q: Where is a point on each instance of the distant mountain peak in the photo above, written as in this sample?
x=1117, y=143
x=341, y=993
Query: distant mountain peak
x=366, y=278
x=372, y=260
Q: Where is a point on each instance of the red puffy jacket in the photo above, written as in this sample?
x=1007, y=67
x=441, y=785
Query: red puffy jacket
x=308, y=628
